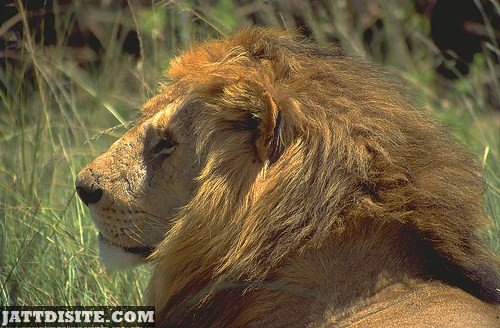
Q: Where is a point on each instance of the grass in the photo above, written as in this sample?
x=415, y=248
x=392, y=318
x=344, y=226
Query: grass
x=57, y=113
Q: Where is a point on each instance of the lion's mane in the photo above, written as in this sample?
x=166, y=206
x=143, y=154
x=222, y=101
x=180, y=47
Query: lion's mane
x=335, y=150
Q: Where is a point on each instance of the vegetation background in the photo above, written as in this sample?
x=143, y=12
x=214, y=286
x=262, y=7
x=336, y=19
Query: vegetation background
x=74, y=73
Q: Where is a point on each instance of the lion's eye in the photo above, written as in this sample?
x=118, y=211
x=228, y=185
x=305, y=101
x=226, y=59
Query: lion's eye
x=164, y=147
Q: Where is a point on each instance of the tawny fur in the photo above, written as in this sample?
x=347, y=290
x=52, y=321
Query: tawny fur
x=370, y=214
x=358, y=155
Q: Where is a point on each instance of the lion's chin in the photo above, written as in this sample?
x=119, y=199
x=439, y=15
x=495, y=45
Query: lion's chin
x=114, y=257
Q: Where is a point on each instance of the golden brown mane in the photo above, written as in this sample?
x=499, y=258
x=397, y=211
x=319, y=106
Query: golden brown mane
x=357, y=166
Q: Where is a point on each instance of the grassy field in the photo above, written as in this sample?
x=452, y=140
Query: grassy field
x=57, y=113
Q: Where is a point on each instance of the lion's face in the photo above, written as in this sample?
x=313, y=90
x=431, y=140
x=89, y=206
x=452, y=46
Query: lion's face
x=134, y=188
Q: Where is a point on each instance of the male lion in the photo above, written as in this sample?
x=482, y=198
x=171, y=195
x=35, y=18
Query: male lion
x=277, y=183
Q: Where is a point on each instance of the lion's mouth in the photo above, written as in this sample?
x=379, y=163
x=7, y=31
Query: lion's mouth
x=143, y=251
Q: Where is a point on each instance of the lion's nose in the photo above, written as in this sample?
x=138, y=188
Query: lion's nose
x=89, y=196
x=87, y=187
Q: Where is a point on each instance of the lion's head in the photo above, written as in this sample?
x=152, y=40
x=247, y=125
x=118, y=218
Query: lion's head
x=268, y=161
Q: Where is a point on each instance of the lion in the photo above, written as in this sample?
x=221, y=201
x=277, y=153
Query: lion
x=273, y=182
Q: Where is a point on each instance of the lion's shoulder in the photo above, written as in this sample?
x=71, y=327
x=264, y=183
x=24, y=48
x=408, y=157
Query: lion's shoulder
x=421, y=305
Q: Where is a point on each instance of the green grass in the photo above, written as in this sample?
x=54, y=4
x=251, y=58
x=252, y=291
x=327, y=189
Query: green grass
x=56, y=115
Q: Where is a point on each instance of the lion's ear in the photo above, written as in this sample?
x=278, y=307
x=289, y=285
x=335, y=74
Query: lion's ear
x=269, y=141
